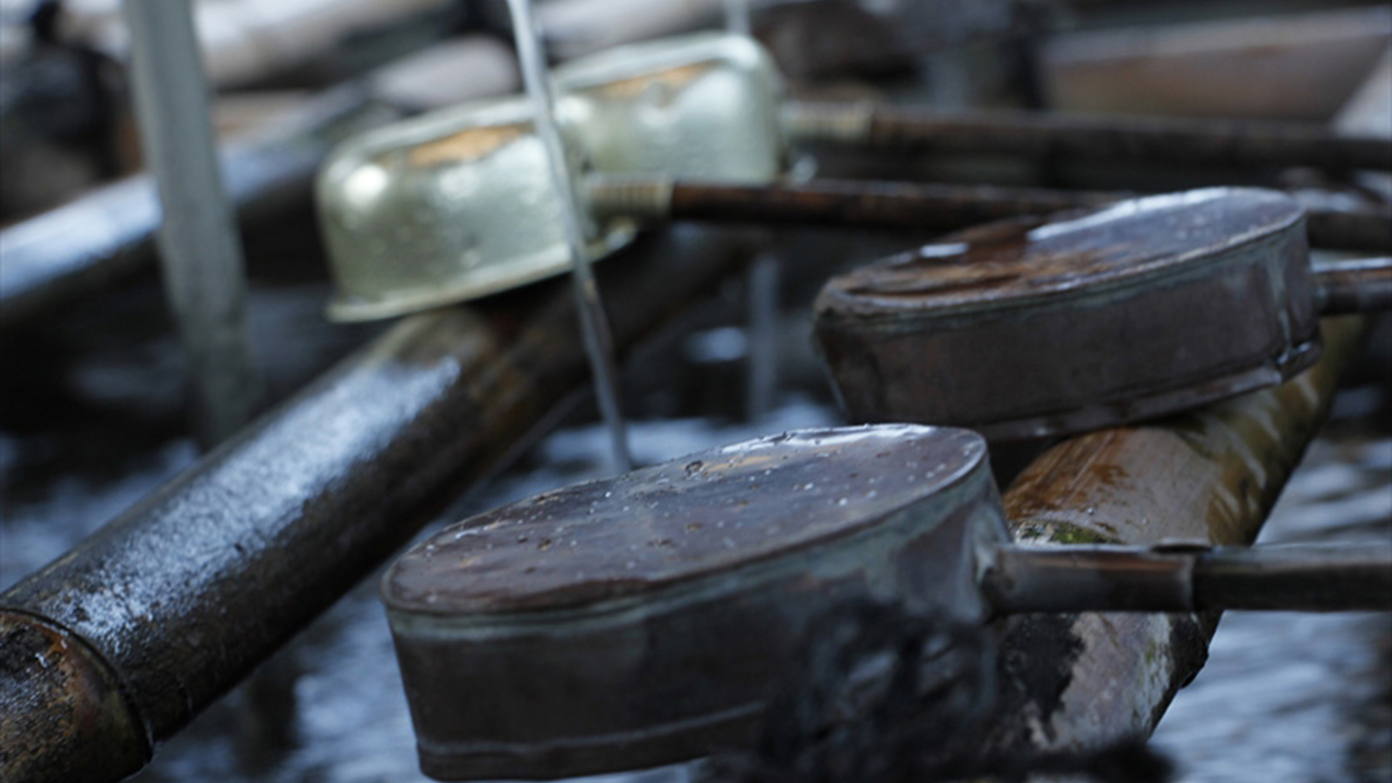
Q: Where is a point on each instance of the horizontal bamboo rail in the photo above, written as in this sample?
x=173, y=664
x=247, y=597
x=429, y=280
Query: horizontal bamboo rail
x=871, y=204
x=1051, y=135
x=108, y=234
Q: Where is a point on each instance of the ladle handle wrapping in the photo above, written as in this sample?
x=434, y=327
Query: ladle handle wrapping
x=1356, y=286
x=1310, y=578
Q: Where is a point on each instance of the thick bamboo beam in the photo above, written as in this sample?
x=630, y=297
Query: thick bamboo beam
x=1079, y=681
x=118, y=644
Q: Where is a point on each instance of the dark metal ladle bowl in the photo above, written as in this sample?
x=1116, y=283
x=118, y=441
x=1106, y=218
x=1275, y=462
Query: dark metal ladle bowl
x=642, y=620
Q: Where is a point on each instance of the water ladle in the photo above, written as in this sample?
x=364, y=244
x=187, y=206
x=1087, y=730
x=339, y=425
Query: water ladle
x=1091, y=319
x=639, y=620
x=455, y=204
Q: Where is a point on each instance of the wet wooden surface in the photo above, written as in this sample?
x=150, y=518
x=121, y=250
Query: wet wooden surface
x=1075, y=681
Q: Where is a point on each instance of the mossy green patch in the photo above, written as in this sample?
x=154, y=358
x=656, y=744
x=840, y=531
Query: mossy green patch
x=1060, y=533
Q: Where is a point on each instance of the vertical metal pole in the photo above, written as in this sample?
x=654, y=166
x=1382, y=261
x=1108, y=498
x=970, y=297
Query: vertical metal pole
x=599, y=344
x=737, y=17
x=200, y=254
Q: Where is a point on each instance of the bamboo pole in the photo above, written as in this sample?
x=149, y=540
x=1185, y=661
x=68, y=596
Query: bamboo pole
x=870, y=204
x=1072, y=682
x=1053, y=135
x=118, y=644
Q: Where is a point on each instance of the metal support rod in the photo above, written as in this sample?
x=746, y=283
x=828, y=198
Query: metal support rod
x=1046, y=135
x=868, y=204
x=599, y=344
x=200, y=253
x=177, y=599
x=1306, y=578
x=737, y=17
x=1354, y=286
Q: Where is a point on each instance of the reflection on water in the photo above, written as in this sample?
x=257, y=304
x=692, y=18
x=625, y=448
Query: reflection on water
x=1300, y=697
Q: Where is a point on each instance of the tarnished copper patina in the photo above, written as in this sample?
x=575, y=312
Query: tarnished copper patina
x=1090, y=319
x=644, y=619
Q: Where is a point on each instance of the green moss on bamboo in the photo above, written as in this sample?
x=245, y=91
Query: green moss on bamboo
x=1060, y=533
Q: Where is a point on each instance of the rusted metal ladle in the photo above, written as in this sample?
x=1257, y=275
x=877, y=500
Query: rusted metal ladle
x=1094, y=319
x=640, y=620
